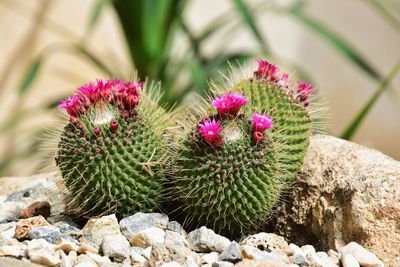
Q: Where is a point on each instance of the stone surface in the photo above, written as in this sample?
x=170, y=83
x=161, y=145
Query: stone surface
x=42, y=252
x=67, y=244
x=363, y=256
x=206, y=240
x=116, y=247
x=148, y=237
x=261, y=263
x=24, y=226
x=97, y=228
x=35, y=209
x=11, y=262
x=142, y=221
x=17, y=250
x=50, y=233
x=349, y=261
x=266, y=242
x=176, y=227
x=27, y=190
x=222, y=264
x=174, y=238
x=345, y=193
x=161, y=254
x=231, y=253
x=209, y=258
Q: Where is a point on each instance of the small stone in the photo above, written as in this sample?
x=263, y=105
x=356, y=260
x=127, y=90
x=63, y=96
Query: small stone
x=85, y=248
x=349, y=261
x=206, y=240
x=139, y=260
x=68, y=260
x=116, y=247
x=24, y=226
x=318, y=261
x=333, y=254
x=160, y=254
x=298, y=258
x=209, y=258
x=171, y=264
x=148, y=237
x=142, y=221
x=231, y=253
x=85, y=261
x=363, y=256
x=99, y=259
x=110, y=264
x=69, y=230
x=96, y=229
x=42, y=252
x=36, y=208
x=49, y=233
x=19, y=250
x=7, y=233
x=222, y=264
x=308, y=249
x=261, y=263
x=266, y=242
x=67, y=244
x=174, y=238
x=147, y=252
x=176, y=227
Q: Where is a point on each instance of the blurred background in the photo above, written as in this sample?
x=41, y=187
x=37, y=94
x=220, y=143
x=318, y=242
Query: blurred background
x=348, y=49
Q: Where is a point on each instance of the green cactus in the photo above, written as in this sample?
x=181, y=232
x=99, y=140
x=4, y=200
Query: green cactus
x=231, y=167
x=111, y=152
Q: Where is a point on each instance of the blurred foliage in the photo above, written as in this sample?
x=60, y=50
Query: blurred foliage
x=151, y=29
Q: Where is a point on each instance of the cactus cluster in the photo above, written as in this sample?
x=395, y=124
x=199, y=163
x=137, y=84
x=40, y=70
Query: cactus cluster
x=228, y=161
x=110, y=153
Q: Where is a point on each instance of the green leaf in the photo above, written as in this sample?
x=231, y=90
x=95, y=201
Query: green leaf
x=248, y=18
x=356, y=122
x=30, y=75
x=337, y=42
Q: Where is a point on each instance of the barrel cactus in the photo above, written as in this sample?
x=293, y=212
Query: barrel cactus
x=233, y=158
x=111, y=152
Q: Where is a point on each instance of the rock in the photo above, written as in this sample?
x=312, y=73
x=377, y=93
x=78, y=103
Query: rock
x=298, y=258
x=148, y=237
x=7, y=233
x=171, y=264
x=348, y=260
x=206, y=240
x=209, y=258
x=50, y=233
x=68, y=260
x=67, y=244
x=344, y=193
x=222, y=264
x=161, y=254
x=67, y=229
x=24, y=226
x=96, y=229
x=99, y=259
x=231, y=253
x=42, y=252
x=116, y=247
x=142, y=221
x=147, y=252
x=18, y=250
x=318, y=261
x=266, y=242
x=174, y=238
x=176, y=227
x=11, y=262
x=31, y=189
x=308, y=249
x=261, y=263
x=36, y=208
x=139, y=260
x=363, y=256
x=85, y=261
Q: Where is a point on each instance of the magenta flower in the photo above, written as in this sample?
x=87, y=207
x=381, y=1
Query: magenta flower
x=304, y=91
x=284, y=80
x=258, y=137
x=73, y=105
x=266, y=70
x=261, y=122
x=229, y=104
x=210, y=131
x=99, y=91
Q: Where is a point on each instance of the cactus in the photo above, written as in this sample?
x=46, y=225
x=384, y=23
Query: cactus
x=232, y=165
x=111, y=152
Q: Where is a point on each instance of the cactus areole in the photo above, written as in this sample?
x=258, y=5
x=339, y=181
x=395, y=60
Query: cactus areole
x=110, y=150
x=233, y=163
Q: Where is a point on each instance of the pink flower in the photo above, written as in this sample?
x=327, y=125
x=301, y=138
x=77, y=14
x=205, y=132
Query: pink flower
x=261, y=122
x=229, y=104
x=258, y=137
x=284, y=80
x=96, y=92
x=128, y=93
x=266, y=70
x=210, y=131
x=73, y=105
x=304, y=91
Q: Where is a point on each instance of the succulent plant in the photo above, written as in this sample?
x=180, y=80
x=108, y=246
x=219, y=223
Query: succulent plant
x=232, y=164
x=111, y=152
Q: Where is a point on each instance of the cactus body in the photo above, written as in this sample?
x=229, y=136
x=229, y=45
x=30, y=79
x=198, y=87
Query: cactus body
x=232, y=166
x=110, y=152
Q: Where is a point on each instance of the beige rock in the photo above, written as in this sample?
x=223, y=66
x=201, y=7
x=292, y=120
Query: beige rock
x=349, y=261
x=261, y=263
x=42, y=252
x=266, y=241
x=345, y=192
x=96, y=229
x=161, y=254
x=363, y=256
x=11, y=262
x=18, y=250
x=24, y=226
x=148, y=237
